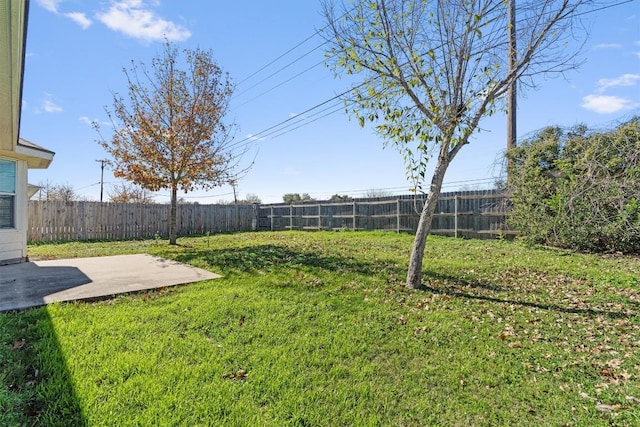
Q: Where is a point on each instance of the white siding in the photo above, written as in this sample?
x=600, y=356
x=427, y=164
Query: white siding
x=13, y=242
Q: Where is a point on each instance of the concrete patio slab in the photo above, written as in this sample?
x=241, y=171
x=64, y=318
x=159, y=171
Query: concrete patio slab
x=33, y=284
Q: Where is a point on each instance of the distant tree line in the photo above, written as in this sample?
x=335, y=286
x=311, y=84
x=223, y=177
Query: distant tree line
x=56, y=192
x=305, y=197
x=126, y=192
x=297, y=198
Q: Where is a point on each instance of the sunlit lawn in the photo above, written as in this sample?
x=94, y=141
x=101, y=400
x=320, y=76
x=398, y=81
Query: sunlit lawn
x=316, y=329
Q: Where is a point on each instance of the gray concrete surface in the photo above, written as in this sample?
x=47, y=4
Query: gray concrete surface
x=33, y=284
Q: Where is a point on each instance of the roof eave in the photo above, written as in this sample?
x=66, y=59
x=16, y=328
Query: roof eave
x=36, y=158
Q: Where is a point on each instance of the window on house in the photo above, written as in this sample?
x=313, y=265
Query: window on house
x=7, y=194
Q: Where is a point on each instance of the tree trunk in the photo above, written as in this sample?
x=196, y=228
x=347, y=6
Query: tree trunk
x=173, y=213
x=414, y=274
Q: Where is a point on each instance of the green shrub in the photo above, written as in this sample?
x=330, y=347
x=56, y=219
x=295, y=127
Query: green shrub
x=578, y=189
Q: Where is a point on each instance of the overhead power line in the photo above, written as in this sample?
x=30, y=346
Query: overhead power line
x=280, y=57
x=311, y=36
x=338, y=96
x=281, y=83
x=285, y=67
x=609, y=6
x=307, y=122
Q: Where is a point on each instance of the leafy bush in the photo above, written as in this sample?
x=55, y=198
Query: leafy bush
x=578, y=189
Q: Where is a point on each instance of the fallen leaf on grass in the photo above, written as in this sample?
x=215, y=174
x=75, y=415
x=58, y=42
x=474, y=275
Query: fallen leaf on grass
x=515, y=344
x=19, y=344
x=240, y=374
x=632, y=399
x=625, y=375
x=507, y=332
x=419, y=330
x=615, y=363
x=606, y=408
x=607, y=372
x=615, y=376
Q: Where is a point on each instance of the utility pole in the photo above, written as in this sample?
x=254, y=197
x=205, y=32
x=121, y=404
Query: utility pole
x=234, y=184
x=511, y=96
x=102, y=163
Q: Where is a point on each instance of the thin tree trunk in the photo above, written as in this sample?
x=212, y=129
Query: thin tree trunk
x=173, y=215
x=414, y=274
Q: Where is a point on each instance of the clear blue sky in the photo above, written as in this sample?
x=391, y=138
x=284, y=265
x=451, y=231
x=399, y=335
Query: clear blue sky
x=76, y=51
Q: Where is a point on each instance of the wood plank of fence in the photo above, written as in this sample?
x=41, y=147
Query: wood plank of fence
x=472, y=213
x=54, y=220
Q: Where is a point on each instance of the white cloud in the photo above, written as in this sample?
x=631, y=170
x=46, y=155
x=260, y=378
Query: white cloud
x=605, y=104
x=133, y=19
x=623, y=80
x=79, y=18
x=608, y=46
x=252, y=137
x=51, y=107
x=50, y=5
x=89, y=121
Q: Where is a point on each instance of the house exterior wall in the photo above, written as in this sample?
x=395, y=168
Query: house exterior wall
x=13, y=26
x=13, y=241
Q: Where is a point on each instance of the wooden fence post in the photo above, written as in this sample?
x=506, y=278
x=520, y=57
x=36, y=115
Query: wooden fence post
x=290, y=217
x=82, y=221
x=255, y=218
x=455, y=216
x=271, y=218
x=354, y=215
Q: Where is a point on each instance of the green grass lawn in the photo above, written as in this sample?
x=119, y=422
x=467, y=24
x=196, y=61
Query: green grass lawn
x=317, y=329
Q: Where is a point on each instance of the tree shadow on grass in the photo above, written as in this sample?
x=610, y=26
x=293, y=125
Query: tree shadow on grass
x=459, y=288
x=273, y=257
x=270, y=257
x=35, y=384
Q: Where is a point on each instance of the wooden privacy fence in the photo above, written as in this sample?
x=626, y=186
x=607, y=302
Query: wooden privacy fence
x=479, y=214
x=53, y=220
